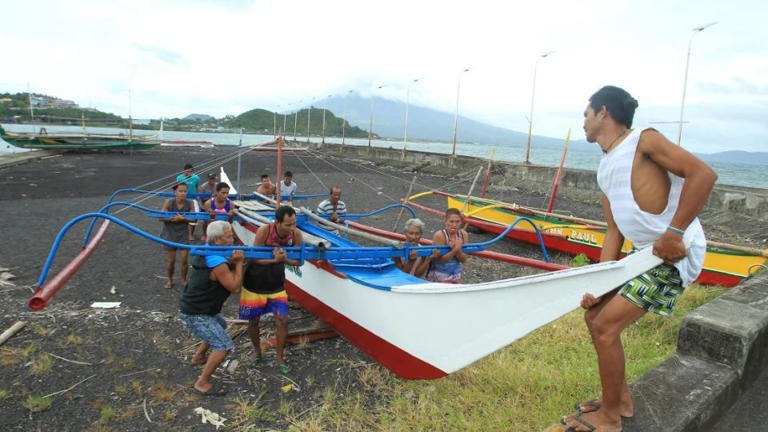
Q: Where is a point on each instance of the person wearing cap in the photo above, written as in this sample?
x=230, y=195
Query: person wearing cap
x=208, y=188
x=189, y=177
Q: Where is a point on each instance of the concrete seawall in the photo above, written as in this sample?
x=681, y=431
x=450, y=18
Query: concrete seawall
x=577, y=184
x=722, y=348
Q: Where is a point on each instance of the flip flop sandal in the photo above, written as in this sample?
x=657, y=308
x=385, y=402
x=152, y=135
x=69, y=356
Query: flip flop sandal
x=580, y=421
x=588, y=406
x=215, y=390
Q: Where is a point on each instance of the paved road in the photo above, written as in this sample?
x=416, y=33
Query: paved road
x=750, y=412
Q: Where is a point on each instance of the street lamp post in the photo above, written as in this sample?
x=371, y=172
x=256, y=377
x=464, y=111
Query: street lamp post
x=370, y=121
x=309, y=116
x=456, y=116
x=405, y=132
x=274, y=122
x=696, y=31
x=530, y=117
x=296, y=121
x=324, y=109
x=344, y=117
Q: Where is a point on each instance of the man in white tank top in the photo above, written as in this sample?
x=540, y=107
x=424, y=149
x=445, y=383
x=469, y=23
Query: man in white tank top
x=653, y=191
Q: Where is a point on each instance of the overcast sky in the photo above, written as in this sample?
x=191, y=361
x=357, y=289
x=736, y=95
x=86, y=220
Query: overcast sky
x=170, y=58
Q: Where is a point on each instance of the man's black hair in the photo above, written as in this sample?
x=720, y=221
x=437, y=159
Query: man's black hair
x=617, y=101
x=221, y=185
x=284, y=211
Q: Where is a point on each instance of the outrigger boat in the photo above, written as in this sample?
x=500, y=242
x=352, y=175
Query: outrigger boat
x=84, y=141
x=410, y=326
x=724, y=264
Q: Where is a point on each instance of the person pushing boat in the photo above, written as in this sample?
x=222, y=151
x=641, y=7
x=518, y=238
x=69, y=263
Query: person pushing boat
x=653, y=192
x=264, y=284
x=175, y=230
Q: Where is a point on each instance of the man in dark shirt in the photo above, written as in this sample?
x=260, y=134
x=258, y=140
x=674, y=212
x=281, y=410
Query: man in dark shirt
x=210, y=283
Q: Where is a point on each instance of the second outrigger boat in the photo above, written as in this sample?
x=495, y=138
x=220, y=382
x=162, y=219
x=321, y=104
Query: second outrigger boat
x=84, y=141
x=724, y=264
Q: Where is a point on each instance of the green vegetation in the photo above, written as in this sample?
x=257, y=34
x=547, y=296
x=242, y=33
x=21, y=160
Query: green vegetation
x=263, y=121
x=37, y=403
x=524, y=387
x=14, y=108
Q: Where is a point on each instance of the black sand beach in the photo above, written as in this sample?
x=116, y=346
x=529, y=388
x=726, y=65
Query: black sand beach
x=135, y=359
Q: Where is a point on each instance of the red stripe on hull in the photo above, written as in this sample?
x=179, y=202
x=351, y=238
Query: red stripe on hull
x=399, y=362
x=561, y=244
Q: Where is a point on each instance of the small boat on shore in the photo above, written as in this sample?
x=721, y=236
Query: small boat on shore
x=69, y=141
x=186, y=143
x=724, y=264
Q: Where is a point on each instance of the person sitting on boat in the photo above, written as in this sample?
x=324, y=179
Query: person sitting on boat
x=447, y=267
x=175, y=230
x=189, y=177
x=333, y=208
x=220, y=203
x=266, y=187
x=288, y=187
x=264, y=285
x=213, y=278
x=416, y=265
x=652, y=193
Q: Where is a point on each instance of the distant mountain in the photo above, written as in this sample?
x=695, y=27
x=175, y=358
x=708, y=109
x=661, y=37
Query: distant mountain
x=428, y=124
x=736, y=157
x=199, y=117
x=264, y=121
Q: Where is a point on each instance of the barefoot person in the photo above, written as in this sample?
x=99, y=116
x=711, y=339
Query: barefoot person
x=213, y=278
x=416, y=265
x=653, y=191
x=264, y=289
x=175, y=230
x=447, y=267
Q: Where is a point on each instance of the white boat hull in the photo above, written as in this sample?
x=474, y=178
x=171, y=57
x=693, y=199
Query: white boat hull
x=428, y=330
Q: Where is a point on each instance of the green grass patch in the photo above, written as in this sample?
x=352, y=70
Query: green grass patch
x=42, y=364
x=525, y=386
x=37, y=403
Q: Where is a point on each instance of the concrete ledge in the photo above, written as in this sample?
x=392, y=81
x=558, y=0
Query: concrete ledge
x=12, y=159
x=722, y=347
x=682, y=394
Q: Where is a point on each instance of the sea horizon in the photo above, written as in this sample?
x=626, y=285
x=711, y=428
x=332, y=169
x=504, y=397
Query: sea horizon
x=729, y=174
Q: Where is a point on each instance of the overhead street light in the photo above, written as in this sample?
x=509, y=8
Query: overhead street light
x=407, y=102
x=530, y=117
x=695, y=30
x=456, y=116
x=370, y=119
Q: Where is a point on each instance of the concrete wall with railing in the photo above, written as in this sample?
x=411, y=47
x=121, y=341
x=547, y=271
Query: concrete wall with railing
x=576, y=184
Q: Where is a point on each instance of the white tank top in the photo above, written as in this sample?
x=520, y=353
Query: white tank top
x=614, y=176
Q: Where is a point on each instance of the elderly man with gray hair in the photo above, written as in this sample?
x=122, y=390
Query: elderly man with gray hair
x=417, y=266
x=212, y=279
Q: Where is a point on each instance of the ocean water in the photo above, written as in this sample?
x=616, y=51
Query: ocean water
x=587, y=159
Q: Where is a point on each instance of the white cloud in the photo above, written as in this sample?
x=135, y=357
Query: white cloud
x=176, y=57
